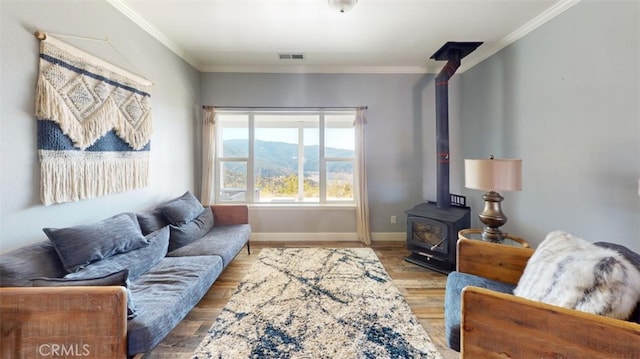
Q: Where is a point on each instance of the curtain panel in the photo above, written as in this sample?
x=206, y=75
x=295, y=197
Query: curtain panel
x=208, y=154
x=363, y=230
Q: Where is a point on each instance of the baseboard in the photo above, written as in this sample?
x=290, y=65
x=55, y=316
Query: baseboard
x=331, y=236
x=389, y=236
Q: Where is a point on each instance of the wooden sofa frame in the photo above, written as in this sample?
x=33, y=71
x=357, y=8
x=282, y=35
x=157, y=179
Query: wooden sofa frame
x=65, y=322
x=497, y=325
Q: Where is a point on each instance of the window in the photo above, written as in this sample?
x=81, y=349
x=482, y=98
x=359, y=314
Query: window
x=285, y=157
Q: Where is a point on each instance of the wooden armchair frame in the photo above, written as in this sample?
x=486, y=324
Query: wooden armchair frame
x=497, y=325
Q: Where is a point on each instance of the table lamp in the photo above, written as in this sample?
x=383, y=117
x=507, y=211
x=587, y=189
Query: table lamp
x=493, y=175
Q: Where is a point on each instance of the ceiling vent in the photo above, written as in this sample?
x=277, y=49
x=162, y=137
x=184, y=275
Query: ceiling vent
x=291, y=56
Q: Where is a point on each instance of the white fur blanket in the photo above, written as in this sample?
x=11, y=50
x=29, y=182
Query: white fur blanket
x=570, y=272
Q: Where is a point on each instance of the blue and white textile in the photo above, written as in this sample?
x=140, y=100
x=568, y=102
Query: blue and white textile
x=94, y=125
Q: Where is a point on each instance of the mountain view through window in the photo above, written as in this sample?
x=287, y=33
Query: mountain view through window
x=286, y=157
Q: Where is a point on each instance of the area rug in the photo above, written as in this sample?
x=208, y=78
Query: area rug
x=316, y=303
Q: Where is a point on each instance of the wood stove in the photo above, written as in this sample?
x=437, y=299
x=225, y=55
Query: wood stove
x=432, y=234
x=432, y=228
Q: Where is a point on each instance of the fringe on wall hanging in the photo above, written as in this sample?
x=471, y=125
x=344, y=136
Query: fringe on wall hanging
x=94, y=125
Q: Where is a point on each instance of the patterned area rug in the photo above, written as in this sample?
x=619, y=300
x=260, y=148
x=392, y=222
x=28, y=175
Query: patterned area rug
x=317, y=303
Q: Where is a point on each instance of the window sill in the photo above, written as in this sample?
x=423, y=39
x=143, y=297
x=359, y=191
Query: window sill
x=310, y=206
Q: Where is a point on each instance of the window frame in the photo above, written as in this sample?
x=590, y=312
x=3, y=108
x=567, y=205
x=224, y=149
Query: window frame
x=250, y=189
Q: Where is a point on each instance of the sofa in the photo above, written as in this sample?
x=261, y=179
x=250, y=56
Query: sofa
x=117, y=287
x=485, y=319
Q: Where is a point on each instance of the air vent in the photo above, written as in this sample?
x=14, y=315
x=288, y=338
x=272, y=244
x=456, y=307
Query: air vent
x=291, y=56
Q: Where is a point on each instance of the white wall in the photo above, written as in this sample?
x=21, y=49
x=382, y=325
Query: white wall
x=565, y=99
x=400, y=140
x=174, y=101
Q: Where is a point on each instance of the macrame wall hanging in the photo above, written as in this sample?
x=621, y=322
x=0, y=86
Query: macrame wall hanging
x=94, y=125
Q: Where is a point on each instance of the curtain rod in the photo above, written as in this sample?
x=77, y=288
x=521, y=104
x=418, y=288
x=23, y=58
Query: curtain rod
x=286, y=108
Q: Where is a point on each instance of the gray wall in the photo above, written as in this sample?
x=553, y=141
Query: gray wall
x=565, y=99
x=175, y=109
x=399, y=138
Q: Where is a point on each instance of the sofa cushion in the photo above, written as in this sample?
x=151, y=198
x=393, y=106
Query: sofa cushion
x=182, y=209
x=456, y=282
x=119, y=278
x=165, y=295
x=137, y=261
x=570, y=272
x=81, y=245
x=185, y=233
x=225, y=241
x=152, y=220
x=33, y=260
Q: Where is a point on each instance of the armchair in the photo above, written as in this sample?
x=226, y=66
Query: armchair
x=492, y=324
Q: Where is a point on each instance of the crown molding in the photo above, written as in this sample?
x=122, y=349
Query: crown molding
x=121, y=6
x=519, y=33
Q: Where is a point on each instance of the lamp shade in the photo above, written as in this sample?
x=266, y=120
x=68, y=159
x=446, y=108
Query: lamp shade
x=493, y=174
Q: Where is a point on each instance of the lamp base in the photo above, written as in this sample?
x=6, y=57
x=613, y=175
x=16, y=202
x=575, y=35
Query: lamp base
x=492, y=217
x=494, y=235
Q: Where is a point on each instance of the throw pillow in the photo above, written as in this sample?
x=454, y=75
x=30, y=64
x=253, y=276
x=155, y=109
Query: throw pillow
x=152, y=220
x=570, y=272
x=81, y=245
x=138, y=261
x=119, y=278
x=186, y=233
x=33, y=260
x=182, y=209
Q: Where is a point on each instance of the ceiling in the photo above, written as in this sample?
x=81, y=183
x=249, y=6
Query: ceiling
x=376, y=36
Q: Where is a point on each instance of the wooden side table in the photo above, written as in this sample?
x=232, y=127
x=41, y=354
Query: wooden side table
x=509, y=239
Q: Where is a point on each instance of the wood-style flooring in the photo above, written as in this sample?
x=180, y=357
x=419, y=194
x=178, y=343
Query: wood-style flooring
x=423, y=289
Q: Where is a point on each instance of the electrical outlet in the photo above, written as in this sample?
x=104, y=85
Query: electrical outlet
x=393, y=219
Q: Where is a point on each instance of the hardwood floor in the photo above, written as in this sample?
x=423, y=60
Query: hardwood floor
x=423, y=289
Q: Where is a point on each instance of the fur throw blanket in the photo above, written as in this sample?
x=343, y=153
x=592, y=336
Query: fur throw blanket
x=570, y=272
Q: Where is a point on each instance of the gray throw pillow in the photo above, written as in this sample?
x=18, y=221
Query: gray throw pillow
x=152, y=220
x=186, y=233
x=182, y=209
x=138, y=261
x=81, y=245
x=33, y=260
x=119, y=278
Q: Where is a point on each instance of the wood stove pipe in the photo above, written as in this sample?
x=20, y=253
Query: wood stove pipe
x=453, y=52
x=442, y=130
